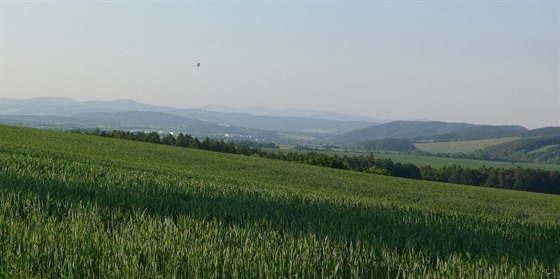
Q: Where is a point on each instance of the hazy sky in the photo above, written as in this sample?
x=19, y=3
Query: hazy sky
x=487, y=62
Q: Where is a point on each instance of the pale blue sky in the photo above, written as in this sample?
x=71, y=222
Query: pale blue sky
x=461, y=61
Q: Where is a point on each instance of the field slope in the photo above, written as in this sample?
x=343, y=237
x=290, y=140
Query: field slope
x=85, y=206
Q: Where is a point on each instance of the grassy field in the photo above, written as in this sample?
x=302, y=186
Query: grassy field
x=83, y=206
x=460, y=146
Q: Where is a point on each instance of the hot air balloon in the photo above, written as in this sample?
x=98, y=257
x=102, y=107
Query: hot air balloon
x=197, y=64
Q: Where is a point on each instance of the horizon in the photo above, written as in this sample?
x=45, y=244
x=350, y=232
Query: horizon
x=278, y=112
x=495, y=63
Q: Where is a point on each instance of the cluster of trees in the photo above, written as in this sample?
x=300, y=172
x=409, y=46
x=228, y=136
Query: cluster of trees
x=360, y=163
x=533, y=180
x=516, y=179
x=186, y=140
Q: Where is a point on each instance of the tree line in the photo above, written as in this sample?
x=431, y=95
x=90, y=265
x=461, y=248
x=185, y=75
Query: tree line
x=516, y=179
x=532, y=180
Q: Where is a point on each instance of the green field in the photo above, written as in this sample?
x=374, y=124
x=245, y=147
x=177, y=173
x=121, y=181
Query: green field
x=460, y=146
x=83, y=206
x=438, y=162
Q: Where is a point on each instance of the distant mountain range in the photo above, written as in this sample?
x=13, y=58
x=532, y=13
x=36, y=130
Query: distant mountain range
x=68, y=107
x=128, y=114
x=259, y=123
x=299, y=113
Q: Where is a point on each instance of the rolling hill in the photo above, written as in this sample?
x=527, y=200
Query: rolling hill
x=400, y=129
x=539, y=146
x=429, y=130
x=543, y=132
x=87, y=206
x=545, y=149
x=479, y=132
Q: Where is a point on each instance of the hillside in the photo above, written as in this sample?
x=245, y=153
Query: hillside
x=481, y=132
x=400, y=129
x=543, y=132
x=540, y=146
x=544, y=149
x=430, y=130
x=88, y=206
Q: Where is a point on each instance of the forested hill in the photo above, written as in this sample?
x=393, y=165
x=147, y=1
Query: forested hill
x=479, y=133
x=400, y=129
x=543, y=132
x=437, y=131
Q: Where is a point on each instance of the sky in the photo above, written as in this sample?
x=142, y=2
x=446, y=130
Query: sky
x=483, y=62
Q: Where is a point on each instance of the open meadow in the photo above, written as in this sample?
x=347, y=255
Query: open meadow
x=82, y=206
x=460, y=146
